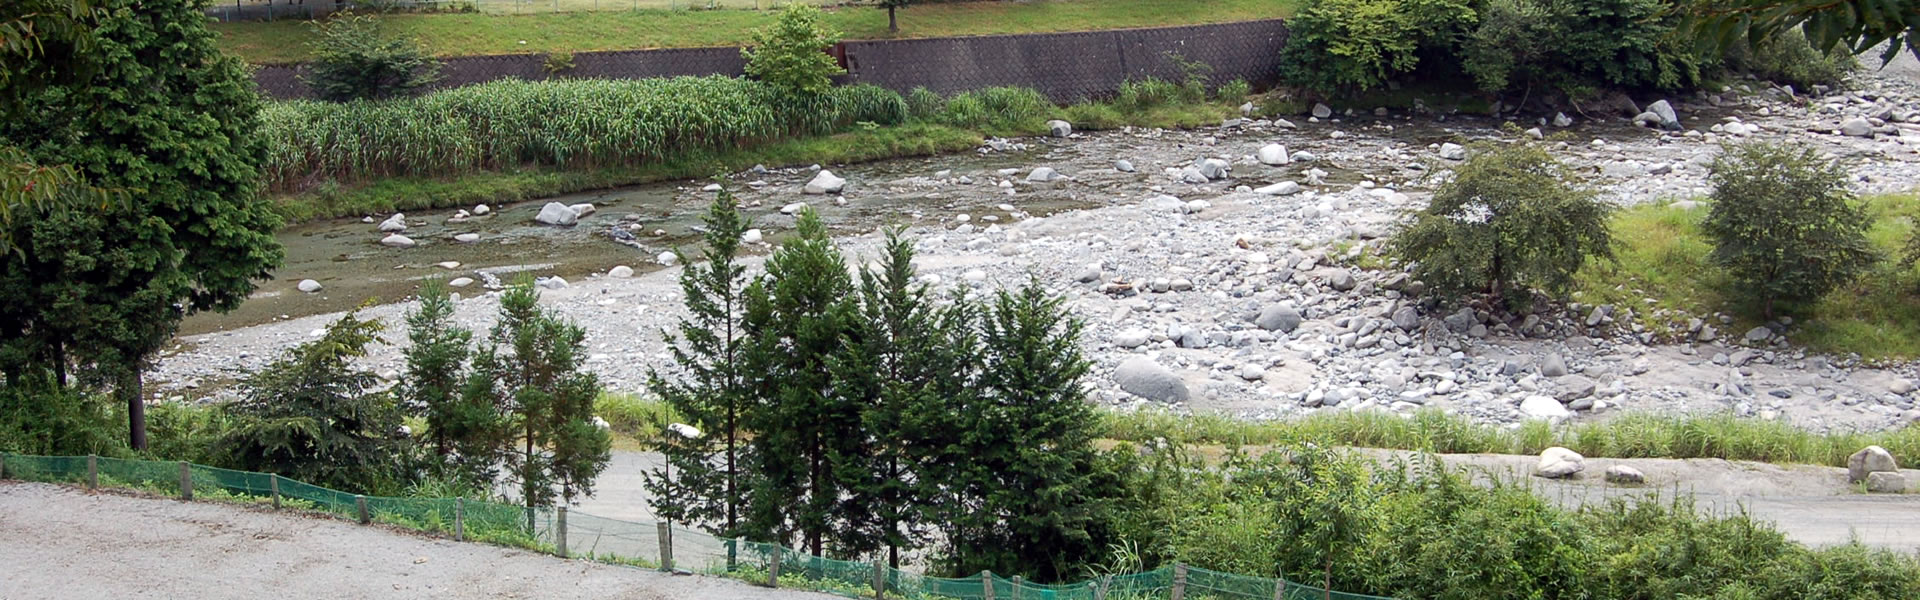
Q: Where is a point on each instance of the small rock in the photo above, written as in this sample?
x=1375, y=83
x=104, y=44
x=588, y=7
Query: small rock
x=1059, y=128
x=1322, y=111
x=1625, y=475
x=309, y=286
x=1132, y=338
x=1901, y=386
x=467, y=238
x=1452, y=151
x=583, y=209
x=1759, y=334
x=1562, y=120
x=1284, y=188
x=1123, y=166
x=667, y=259
x=482, y=210
x=711, y=187
x=752, y=236
x=1544, y=408
x=553, y=283
x=1274, y=154
x=1043, y=175
x=1142, y=377
x=1278, y=317
x=620, y=272
x=460, y=282
x=1552, y=365
x=397, y=241
x=1857, y=127
x=1887, y=483
x=1342, y=280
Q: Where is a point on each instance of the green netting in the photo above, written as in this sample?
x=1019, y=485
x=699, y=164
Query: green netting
x=640, y=543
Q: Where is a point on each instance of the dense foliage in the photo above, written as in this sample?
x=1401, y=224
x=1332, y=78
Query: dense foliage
x=91, y=294
x=1419, y=529
x=463, y=432
x=1785, y=226
x=1362, y=44
x=869, y=415
x=580, y=124
x=1577, y=46
x=312, y=417
x=1856, y=25
x=792, y=53
x=353, y=59
x=1790, y=58
x=1508, y=221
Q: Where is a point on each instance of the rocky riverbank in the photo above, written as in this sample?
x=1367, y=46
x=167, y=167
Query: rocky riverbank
x=1203, y=294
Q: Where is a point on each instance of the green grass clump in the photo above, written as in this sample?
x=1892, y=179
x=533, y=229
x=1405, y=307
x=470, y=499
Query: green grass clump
x=1720, y=436
x=284, y=41
x=1663, y=256
x=1000, y=111
x=639, y=417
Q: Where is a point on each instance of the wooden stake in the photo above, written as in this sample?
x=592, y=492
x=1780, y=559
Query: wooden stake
x=666, y=546
x=186, y=481
x=560, y=531
x=93, y=472
x=360, y=502
x=459, y=519
x=273, y=484
x=773, y=567
x=986, y=584
x=1179, y=581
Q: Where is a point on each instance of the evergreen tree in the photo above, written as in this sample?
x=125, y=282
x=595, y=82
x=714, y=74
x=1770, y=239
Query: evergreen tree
x=796, y=320
x=313, y=417
x=465, y=434
x=1033, y=496
x=894, y=368
x=546, y=398
x=706, y=486
x=152, y=107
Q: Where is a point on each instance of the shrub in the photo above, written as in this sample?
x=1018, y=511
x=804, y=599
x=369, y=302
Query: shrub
x=1002, y=110
x=38, y=416
x=1361, y=44
x=1234, y=91
x=557, y=63
x=792, y=53
x=1784, y=225
x=354, y=60
x=1789, y=58
x=1506, y=222
x=923, y=104
x=1139, y=95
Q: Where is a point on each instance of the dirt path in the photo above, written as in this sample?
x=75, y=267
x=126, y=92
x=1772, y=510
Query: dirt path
x=57, y=542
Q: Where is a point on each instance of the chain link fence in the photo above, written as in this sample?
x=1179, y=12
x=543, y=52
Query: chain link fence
x=269, y=10
x=648, y=545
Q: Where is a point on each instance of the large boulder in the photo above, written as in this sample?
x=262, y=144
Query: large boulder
x=1558, y=463
x=1278, y=317
x=1142, y=377
x=1544, y=408
x=1213, y=168
x=555, y=213
x=1274, y=154
x=1870, y=460
x=1669, y=120
x=825, y=183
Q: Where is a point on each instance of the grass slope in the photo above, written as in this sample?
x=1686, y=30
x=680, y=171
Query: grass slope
x=469, y=34
x=1663, y=257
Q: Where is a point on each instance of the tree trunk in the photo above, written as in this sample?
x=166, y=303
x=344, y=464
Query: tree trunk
x=1326, y=581
x=129, y=389
x=893, y=24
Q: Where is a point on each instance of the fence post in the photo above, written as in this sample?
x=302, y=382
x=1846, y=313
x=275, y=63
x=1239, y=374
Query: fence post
x=560, y=531
x=273, y=484
x=666, y=546
x=879, y=579
x=459, y=519
x=1280, y=588
x=1179, y=581
x=360, y=502
x=1016, y=587
x=3, y=465
x=1100, y=590
x=986, y=584
x=773, y=567
x=186, y=481
x=93, y=472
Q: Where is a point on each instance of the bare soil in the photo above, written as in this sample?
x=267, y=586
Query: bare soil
x=60, y=542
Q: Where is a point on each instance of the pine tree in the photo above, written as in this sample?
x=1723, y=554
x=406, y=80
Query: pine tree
x=465, y=435
x=313, y=417
x=893, y=368
x=707, y=486
x=796, y=320
x=1033, y=496
x=546, y=397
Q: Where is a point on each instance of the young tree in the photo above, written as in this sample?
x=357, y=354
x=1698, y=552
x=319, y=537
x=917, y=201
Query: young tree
x=1784, y=224
x=354, y=60
x=895, y=367
x=465, y=434
x=1324, y=510
x=546, y=397
x=792, y=54
x=312, y=416
x=795, y=321
x=709, y=474
x=1507, y=222
x=163, y=114
x=1033, y=497
x=893, y=23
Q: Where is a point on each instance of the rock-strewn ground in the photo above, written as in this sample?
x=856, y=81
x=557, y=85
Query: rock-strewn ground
x=1247, y=300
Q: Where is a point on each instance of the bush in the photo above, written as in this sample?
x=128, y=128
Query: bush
x=1336, y=45
x=557, y=63
x=999, y=110
x=354, y=60
x=40, y=417
x=1784, y=225
x=1787, y=57
x=792, y=53
x=634, y=416
x=924, y=105
x=1506, y=222
x=1234, y=91
x=1139, y=95
x=1577, y=46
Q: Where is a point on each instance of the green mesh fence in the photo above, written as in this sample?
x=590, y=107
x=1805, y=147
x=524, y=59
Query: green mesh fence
x=648, y=545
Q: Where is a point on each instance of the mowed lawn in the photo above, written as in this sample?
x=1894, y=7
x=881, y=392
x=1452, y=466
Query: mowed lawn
x=470, y=34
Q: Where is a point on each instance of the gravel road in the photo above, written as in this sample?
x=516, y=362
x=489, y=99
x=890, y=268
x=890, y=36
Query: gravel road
x=58, y=542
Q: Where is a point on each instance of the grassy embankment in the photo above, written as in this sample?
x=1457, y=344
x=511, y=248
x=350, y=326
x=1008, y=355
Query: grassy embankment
x=280, y=42
x=1663, y=256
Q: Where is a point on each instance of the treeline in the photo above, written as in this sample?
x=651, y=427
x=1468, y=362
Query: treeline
x=1572, y=49
x=852, y=416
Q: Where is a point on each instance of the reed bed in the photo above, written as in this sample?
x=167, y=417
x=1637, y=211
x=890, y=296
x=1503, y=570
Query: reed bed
x=575, y=124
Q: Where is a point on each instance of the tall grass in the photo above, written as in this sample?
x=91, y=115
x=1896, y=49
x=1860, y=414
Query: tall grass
x=580, y=124
x=1633, y=435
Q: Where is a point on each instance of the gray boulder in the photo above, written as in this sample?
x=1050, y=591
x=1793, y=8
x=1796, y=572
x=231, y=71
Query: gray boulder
x=1559, y=463
x=1669, y=120
x=555, y=213
x=1870, y=460
x=1059, y=128
x=1043, y=175
x=1142, y=377
x=1887, y=483
x=1274, y=154
x=1342, y=280
x=1623, y=474
x=1213, y=168
x=1406, y=318
x=1552, y=365
x=1132, y=338
x=397, y=241
x=1278, y=317
x=1543, y=408
x=1452, y=151
x=1284, y=188
x=1562, y=120
x=1123, y=166
x=1857, y=127
x=1322, y=111
x=825, y=183
x=309, y=286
